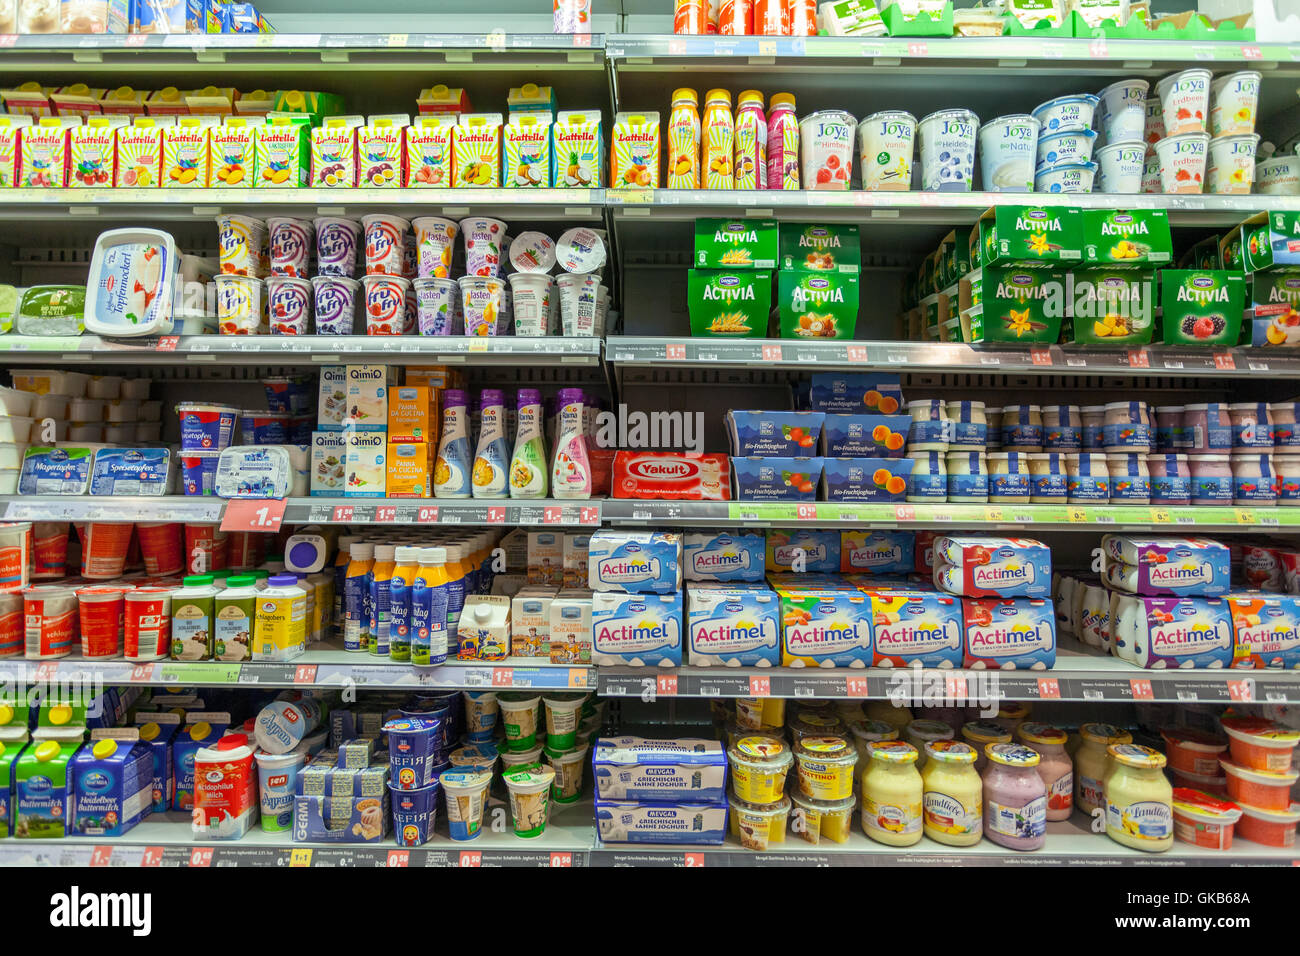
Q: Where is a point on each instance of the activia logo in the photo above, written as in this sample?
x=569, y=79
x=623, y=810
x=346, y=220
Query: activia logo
x=729, y=281
x=1202, y=282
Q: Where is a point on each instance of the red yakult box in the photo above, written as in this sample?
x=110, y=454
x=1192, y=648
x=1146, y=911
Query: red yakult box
x=671, y=476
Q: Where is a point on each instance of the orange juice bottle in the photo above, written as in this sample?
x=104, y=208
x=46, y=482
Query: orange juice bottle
x=751, y=141
x=719, y=141
x=684, y=141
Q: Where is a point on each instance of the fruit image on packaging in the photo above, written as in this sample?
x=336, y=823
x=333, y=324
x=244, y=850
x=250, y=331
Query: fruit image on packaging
x=92, y=151
x=817, y=305
x=428, y=150
x=734, y=304
x=809, y=247
x=1201, y=307
x=683, y=136
x=334, y=152
x=1112, y=307
x=11, y=128
x=527, y=145
x=634, y=151
x=44, y=155
x=282, y=152
x=234, y=152
x=380, y=150
x=476, y=150
x=1135, y=239
x=139, y=154
x=577, y=148
x=719, y=131
x=187, y=154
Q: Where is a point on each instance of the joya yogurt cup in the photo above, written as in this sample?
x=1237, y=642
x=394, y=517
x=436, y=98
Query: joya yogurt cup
x=335, y=300
x=1231, y=164
x=288, y=304
x=1067, y=178
x=466, y=796
x=948, y=150
x=1065, y=113
x=1121, y=111
x=1151, y=174
x=437, y=303
x=1279, y=176
x=291, y=242
x=529, y=793
x=336, y=246
x=1008, y=147
x=1120, y=166
x=239, y=304
x=532, y=295
x=885, y=147
x=1064, y=149
x=1184, y=101
x=1153, y=130
x=482, y=301
x=1234, y=103
x=483, y=239
x=385, y=300
x=826, y=149
x=1182, y=162
x=385, y=238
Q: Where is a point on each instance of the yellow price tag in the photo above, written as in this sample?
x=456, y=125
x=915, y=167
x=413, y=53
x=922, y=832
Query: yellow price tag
x=1076, y=515
x=1245, y=516
x=1160, y=516
x=300, y=856
x=577, y=677
x=767, y=48
x=630, y=196
x=397, y=39
x=993, y=514
x=478, y=345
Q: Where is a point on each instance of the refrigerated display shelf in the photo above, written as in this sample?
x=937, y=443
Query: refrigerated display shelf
x=323, y=665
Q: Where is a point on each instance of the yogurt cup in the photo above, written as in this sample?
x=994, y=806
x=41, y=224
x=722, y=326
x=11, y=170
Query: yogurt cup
x=1260, y=744
x=483, y=242
x=568, y=766
x=759, y=764
x=1120, y=166
x=948, y=150
x=277, y=776
x=561, y=720
x=1182, y=162
x=758, y=827
x=529, y=791
x=466, y=796
x=1122, y=111
x=482, y=300
x=578, y=296
x=1184, y=101
x=480, y=757
x=199, y=472
x=1008, y=147
x=1065, y=113
x=206, y=427
x=1151, y=182
x=264, y=428
x=436, y=305
x=580, y=250
x=826, y=149
x=1234, y=103
x=414, y=813
x=885, y=146
x=532, y=252
x=1070, y=178
x=1269, y=827
x=385, y=238
x=482, y=715
x=239, y=245
x=531, y=294
x=435, y=244
x=519, y=719
x=523, y=758
x=385, y=302
x=291, y=243
x=1065, y=149
x=239, y=304
x=1231, y=164
x=1153, y=130
x=415, y=747
x=336, y=246
x=86, y=410
x=335, y=300
x=824, y=767
x=288, y=303
x=1263, y=789
x=1279, y=176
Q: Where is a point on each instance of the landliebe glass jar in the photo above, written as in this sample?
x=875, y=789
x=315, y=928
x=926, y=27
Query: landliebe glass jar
x=953, y=794
x=1054, y=766
x=1015, y=799
x=1139, y=799
x=1092, y=763
x=892, y=795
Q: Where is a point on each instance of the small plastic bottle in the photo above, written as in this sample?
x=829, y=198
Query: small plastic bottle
x=493, y=454
x=528, y=471
x=451, y=471
x=570, y=468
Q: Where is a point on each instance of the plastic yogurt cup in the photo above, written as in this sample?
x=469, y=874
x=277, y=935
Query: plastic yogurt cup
x=483, y=239
x=1060, y=149
x=568, y=766
x=1065, y=113
x=578, y=303
x=480, y=757
x=277, y=775
x=885, y=147
x=206, y=427
x=1070, y=178
x=824, y=767
x=948, y=150
x=385, y=303
x=826, y=149
x=531, y=295
x=435, y=242
x=1122, y=110
x=529, y=790
x=1008, y=146
x=1153, y=131
x=1120, y=166
x=288, y=304
x=1234, y=103
x=1184, y=101
x=240, y=241
x=199, y=472
x=519, y=718
x=1151, y=174
x=291, y=245
x=437, y=304
x=466, y=796
x=1182, y=162
x=561, y=720
x=414, y=812
x=580, y=250
x=264, y=428
x=523, y=758
x=335, y=299
x=482, y=300
x=1231, y=166
x=1279, y=176
x=385, y=243
x=336, y=246
x=239, y=304
x=532, y=252
x=759, y=763
x=758, y=827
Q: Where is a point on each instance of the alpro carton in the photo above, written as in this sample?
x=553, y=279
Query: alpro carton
x=734, y=626
x=816, y=247
x=1111, y=306
x=736, y=244
x=1121, y=238
x=526, y=145
x=112, y=783
x=1201, y=307
x=636, y=629
x=428, y=150
x=1030, y=235
x=282, y=150
x=817, y=305
x=729, y=303
x=578, y=149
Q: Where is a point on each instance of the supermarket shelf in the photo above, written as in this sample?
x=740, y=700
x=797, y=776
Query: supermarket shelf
x=307, y=350
x=111, y=508
x=917, y=207
x=426, y=511
x=772, y=354
x=1069, y=842
x=169, y=842
x=824, y=514
x=323, y=665
x=160, y=205
x=1082, y=675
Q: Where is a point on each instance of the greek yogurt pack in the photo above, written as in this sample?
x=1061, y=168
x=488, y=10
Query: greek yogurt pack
x=1180, y=567
x=733, y=626
x=663, y=823
x=1166, y=633
x=992, y=567
x=916, y=627
x=877, y=552
x=635, y=562
x=825, y=628
x=636, y=629
x=1009, y=634
x=133, y=471
x=683, y=769
x=723, y=556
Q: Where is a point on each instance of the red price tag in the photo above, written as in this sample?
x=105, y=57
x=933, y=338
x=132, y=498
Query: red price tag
x=141, y=673
x=385, y=513
x=45, y=673
x=675, y=353
x=201, y=856
x=253, y=514
x=589, y=515
x=561, y=859
x=856, y=353
x=427, y=515
x=760, y=686
x=582, y=39
x=168, y=343
x=152, y=856
x=1040, y=355
x=1242, y=690
x=806, y=512
x=304, y=674
x=955, y=685
x=1224, y=360
x=399, y=857
x=1138, y=358
x=471, y=858
x=136, y=39
x=9, y=39
x=676, y=47
x=1251, y=53
x=342, y=513
x=917, y=49
x=666, y=685
x=1049, y=688
x=771, y=353
x=503, y=677
x=100, y=855
x=551, y=515
x=496, y=514
x=904, y=513
x=855, y=687
x=1142, y=689
x=1097, y=50
x=694, y=860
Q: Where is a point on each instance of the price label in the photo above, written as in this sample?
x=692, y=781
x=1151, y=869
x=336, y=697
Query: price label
x=201, y=856
x=666, y=685
x=136, y=39
x=1251, y=53
x=994, y=514
x=385, y=513
x=1049, y=688
x=152, y=856
x=470, y=858
x=304, y=674
x=1076, y=515
x=45, y=673
x=855, y=353
x=582, y=39
x=253, y=514
x=577, y=677
x=675, y=353
x=806, y=512
x=496, y=514
x=1040, y=355
x=767, y=48
x=427, y=515
x=141, y=674
x=168, y=343
x=561, y=859
x=1138, y=358
x=918, y=49
x=399, y=857
x=760, y=686
x=1242, y=690
x=342, y=513
x=1160, y=516
x=955, y=685
x=589, y=515
x=503, y=677
x=1097, y=50
x=904, y=513
x=1141, y=689
x=1245, y=516
x=771, y=353
x=551, y=515
x=300, y=856
x=101, y=855
x=1225, y=361
x=693, y=860
x=855, y=687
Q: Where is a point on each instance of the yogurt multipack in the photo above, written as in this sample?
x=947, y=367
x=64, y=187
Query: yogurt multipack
x=133, y=471
x=916, y=628
x=773, y=433
x=1009, y=634
x=1167, y=633
x=636, y=629
x=723, y=556
x=664, y=823
x=877, y=552
x=635, y=562
x=1181, y=567
x=802, y=551
x=992, y=567
x=825, y=628
x=733, y=626
x=660, y=771
x=1265, y=631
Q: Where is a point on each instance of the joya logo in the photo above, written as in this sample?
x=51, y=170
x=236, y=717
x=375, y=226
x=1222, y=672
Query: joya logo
x=957, y=128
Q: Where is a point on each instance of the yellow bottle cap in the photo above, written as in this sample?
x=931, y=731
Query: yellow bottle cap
x=149, y=731
x=294, y=99
x=750, y=96
x=529, y=89
x=685, y=95
x=782, y=99
x=46, y=751
x=60, y=714
x=200, y=730
x=104, y=748
x=121, y=93
x=718, y=96
x=6, y=714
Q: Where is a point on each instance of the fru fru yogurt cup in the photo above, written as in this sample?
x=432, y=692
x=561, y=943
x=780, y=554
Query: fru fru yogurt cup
x=1120, y=167
x=336, y=246
x=335, y=299
x=826, y=149
x=948, y=150
x=437, y=304
x=1234, y=103
x=240, y=240
x=291, y=243
x=1184, y=102
x=824, y=767
x=288, y=304
x=466, y=796
x=484, y=239
x=385, y=298
x=529, y=791
x=240, y=305
x=1122, y=111
x=885, y=148
x=1182, y=162
x=1231, y=164
x=385, y=237
x=532, y=294
x=1008, y=147
x=435, y=243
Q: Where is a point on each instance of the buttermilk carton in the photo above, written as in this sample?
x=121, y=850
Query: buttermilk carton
x=112, y=782
x=13, y=740
x=202, y=729
x=157, y=729
x=733, y=626
x=635, y=562
x=636, y=629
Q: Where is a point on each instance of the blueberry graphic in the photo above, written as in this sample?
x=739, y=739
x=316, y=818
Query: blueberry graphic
x=943, y=157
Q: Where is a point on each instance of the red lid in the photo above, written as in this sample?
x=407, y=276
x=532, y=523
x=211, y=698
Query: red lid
x=232, y=742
